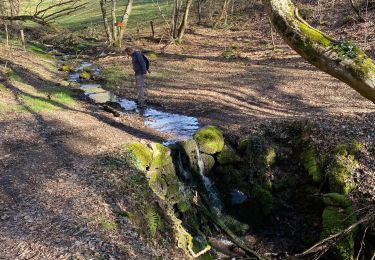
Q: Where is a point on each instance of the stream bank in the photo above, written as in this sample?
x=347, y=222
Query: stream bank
x=213, y=189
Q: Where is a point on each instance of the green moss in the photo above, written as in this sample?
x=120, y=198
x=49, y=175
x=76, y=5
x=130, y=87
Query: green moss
x=335, y=219
x=336, y=199
x=87, y=69
x=210, y=139
x=264, y=197
x=161, y=156
x=84, y=75
x=259, y=154
x=238, y=227
x=356, y=60
x=66, y=68
x=13, y=75
x=341, y=169
x=227, y=156
x=310, y=162
x=314, y=35
x=108, y=225
x=138, y=156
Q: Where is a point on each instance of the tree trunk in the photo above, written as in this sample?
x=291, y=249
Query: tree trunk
x=114, y=20
x=105, y=21
x=341, y=59
x=184, y=22
x=125, y=19
x=199, y=11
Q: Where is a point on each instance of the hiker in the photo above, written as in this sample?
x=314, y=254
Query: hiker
x=140, y=67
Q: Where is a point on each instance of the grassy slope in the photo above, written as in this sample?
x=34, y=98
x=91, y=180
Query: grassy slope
x=143, y=12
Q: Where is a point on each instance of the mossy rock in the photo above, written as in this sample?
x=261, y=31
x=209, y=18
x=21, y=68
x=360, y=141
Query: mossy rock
x=84, y=75
x=259, y=154
x=337, y=200
x=228, y=156
x=336, y=219
x=138, y=156
x=310, y=162
x=66, y=68
x=236, y=226
x=229, y=178
x=164, y=183
x=87, y=69
x=340, y=172
x=208, y=162
x=210, y=139
x=264, y=198
x=161, y=156
x=189, y=150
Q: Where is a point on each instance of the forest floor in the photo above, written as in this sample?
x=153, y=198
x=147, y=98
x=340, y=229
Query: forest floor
x=255, y=88
x=54, y=203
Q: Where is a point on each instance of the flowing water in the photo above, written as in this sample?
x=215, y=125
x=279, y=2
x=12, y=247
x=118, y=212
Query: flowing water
x=211, y=190
x=177, y=127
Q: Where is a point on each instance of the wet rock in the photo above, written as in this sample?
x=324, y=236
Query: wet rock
x=210, y=140
x=208, y=162
x=138, y=156
x=66, y=68
x=337, y=216
x=84, y=75
x=228, y=156
x=188, y=150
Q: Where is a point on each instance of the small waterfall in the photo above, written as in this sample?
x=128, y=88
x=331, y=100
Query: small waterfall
x=185, y=174
x=213, y=194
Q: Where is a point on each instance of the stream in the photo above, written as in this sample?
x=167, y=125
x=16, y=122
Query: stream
x=178, y=127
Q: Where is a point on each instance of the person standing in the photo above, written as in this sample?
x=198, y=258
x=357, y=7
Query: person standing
x=140, y=67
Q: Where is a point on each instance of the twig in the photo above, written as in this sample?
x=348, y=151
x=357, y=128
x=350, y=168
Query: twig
x=326, y=243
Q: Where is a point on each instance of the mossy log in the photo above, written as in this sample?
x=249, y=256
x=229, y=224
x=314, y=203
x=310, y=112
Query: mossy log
x=339, y=58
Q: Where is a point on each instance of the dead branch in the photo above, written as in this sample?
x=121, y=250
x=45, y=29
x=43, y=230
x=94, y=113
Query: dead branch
x=328, y=242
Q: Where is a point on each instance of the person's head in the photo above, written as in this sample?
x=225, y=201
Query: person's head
x=129, y=51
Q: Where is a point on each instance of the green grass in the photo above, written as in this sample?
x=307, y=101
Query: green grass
x=108, y=225
x=12, y=75
x=59, y=98
x=143, y=12
x=115, y=76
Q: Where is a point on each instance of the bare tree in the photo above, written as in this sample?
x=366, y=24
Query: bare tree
x=184, y=21
x=115, y=31
x=45, y=15
x=339, y=58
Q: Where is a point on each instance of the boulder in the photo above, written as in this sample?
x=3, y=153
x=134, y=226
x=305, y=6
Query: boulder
x=259, y=154
x=161, y=156
x=66, y=68
x=337, y=216
x=208, y=162
x=210, y=140
x=340, y=172
x=84, y=75
x=228, y=156
x=137, y=156
x=189, y=154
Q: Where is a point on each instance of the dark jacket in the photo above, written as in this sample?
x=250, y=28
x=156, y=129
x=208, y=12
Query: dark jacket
x=139, y=64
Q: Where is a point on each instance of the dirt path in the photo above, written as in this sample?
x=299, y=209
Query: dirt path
x=53, y=205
